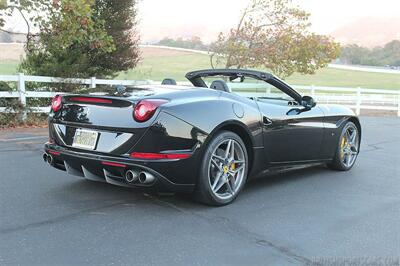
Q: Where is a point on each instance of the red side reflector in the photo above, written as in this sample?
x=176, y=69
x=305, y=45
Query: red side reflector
x=159, y=156
x=113, y=164
x=90, y=100
x=54, y=152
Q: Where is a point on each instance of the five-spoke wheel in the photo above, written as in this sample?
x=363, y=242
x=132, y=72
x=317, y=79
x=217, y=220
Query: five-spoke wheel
x=224, y=169
x=348, y=148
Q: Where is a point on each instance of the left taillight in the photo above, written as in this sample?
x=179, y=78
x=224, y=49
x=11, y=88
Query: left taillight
x=56, y=103
x=145, y=109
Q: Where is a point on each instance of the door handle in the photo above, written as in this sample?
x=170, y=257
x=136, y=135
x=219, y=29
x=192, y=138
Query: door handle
x=267, y=121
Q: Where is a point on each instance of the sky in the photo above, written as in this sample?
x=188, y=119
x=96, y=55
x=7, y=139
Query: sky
x=206, y=18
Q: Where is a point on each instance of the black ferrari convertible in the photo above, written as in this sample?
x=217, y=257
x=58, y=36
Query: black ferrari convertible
x=202, y=139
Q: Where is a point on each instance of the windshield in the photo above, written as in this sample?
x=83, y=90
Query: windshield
x=249, y=87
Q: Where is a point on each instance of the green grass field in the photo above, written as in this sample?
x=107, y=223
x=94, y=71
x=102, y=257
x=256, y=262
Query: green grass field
x=8, y=67
x=157, y=66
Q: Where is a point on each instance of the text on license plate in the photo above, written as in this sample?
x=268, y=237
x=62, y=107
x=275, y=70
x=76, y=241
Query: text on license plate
x=85, y=139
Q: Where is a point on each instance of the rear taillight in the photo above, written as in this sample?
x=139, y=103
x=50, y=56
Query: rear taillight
x=145, y=109
x=159, y=156
x=56, y=103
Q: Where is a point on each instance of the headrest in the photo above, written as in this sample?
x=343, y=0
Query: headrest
x=168, y=82
x=220, y=85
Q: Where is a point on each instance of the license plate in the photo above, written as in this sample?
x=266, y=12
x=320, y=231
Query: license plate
x=85, y=139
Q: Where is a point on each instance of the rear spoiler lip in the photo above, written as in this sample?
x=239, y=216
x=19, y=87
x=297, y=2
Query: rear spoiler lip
x=98, y=100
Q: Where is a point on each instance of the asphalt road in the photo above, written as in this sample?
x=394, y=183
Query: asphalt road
x=310, y=215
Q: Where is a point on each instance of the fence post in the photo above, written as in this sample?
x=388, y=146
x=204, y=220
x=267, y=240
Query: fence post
x=398, y=104
x=22, y=93
x=93, y=82
x=312, y=91
x=359, y=100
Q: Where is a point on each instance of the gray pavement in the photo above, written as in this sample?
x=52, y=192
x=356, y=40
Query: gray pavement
x=50, y=218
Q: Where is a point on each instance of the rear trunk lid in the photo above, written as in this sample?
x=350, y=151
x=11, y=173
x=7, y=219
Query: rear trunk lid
x=112, y=110
x=108, y=118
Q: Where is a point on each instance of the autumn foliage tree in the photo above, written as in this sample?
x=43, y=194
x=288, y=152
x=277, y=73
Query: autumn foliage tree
x=78, y=38
x=275, y=35
x=3, y=6
x=68, y=41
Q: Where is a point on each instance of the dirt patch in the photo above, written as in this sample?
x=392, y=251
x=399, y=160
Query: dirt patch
x=11, y=51
x=21, y=132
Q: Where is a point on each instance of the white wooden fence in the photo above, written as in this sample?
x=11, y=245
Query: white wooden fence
x=355, y=98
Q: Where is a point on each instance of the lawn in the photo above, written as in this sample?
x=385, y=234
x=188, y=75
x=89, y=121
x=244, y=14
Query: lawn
x=347, y=78
x=8, y=67
x=158, y=64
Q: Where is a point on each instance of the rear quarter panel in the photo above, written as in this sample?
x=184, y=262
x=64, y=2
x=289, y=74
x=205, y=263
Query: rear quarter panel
x=190, y=120
x=211, y=110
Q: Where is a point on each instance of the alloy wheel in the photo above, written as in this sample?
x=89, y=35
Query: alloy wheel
x=349, y=145
x=227, y=169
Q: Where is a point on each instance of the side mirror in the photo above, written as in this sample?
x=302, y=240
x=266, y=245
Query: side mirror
x=308, y=102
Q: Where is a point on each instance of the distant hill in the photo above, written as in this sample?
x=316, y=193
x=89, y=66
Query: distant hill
x=369, y=32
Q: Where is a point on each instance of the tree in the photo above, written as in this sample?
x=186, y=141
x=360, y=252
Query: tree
x=3, y=6
x=378, y=56
x=23, y=7
x=354, y=54
x=390, y=54
x=194, y=42
x=274, y=34
x=120, y=21
x=79, y=38
x=69, y=41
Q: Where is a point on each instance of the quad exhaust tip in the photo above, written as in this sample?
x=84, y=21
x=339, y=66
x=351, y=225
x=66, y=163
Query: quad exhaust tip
x=146, y=178
x=131, y=176
x=48, y=158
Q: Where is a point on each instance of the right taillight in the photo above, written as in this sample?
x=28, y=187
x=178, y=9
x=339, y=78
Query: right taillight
x=56, y=103
x=145, y=109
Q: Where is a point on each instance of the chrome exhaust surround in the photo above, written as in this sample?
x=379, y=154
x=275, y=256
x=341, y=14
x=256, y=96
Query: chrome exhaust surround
x=131, y=176
x=48, y=158
x=146, y=178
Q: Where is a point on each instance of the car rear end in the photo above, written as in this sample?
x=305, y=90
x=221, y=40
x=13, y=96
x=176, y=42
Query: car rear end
x=128, y=141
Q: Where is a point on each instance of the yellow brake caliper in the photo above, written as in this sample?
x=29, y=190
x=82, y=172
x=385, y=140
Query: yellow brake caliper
x=342, y=145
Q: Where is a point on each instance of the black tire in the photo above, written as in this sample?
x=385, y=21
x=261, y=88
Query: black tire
x=337, y=162
x=203, y=192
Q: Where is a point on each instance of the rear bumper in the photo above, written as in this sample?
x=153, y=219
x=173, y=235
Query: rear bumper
x=169, y=175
